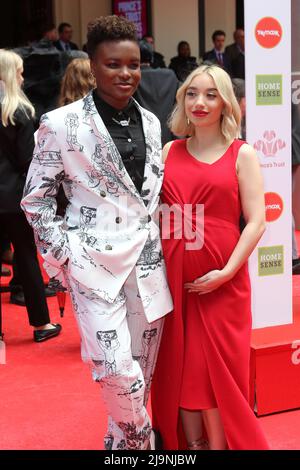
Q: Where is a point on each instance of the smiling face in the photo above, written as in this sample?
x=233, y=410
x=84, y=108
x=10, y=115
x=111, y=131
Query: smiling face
x=203, y=103
x=116, y=67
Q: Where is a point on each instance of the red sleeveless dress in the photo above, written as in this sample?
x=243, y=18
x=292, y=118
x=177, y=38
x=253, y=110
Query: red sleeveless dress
x=203, y=360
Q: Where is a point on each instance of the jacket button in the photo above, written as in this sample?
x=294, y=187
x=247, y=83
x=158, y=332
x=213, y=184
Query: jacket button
x=103, y=193
x=108, y=247
x=118, y=220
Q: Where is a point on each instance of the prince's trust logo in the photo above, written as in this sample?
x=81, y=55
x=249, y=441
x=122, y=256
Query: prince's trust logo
x=269, y=145
x=269, y=148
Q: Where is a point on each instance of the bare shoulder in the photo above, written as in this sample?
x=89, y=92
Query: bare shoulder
x=247, y=156
x=165, y=150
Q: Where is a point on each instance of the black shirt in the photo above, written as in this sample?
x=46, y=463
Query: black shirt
x=129, y=140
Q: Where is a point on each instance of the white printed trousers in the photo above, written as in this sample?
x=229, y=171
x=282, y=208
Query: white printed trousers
x=122, y=348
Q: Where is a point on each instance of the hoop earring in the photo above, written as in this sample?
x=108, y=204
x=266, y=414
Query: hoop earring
x=188, y=121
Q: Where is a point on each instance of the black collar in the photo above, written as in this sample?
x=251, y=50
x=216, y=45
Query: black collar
x=107, y=112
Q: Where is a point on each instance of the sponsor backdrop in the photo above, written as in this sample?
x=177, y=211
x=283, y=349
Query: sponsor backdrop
x=268, y=94
x=296, y=108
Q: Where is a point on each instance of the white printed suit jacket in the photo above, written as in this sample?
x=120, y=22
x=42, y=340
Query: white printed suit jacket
x=109, y=228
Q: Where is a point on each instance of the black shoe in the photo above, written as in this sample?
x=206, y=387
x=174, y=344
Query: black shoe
x=155, y=440
x=43, y=335
x=17, y=298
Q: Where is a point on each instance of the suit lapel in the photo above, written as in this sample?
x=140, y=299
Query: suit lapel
x=153, y=167
x=112, y=156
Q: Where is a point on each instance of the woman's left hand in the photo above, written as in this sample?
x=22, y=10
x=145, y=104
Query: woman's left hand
x=207, y=283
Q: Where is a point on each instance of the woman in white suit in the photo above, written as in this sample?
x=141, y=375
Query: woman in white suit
x=106, y=152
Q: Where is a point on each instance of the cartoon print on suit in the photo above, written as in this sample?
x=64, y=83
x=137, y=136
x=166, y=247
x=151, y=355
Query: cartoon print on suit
x=121, y=445
x=89, y=294
x=52, y=184
x=44, y=119
x=149, y=341
x=44, y=233
x=109, y=343
x=48, y=159
x=89, y=108
x=135, y=439
x=150, y=258
x=143, y=223
x=104, y=170
x=135, y=387
x=87, y=216
x=72, y=124
x=28, y=188
x=108, y=442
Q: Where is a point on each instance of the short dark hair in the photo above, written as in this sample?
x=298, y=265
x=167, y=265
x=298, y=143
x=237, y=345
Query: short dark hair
x=47, y=27
x=146, y=51
x=109, y=28
x=62, y=26
x=218, y=32
x=182, y=43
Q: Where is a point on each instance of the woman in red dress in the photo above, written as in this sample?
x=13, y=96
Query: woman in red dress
x=201, y=384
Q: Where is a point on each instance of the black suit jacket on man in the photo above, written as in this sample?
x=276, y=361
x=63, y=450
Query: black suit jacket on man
x=158, y=61
x=210, y=56
x=237, y=61
x=72, y=45
x=183, y=66
x=16, y=148
x=157, y=93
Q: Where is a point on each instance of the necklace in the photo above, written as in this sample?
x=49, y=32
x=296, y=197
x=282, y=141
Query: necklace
x=123, y=122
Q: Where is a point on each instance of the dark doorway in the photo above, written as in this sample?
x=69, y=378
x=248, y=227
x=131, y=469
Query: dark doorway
x=22, y=20
x=239, y=19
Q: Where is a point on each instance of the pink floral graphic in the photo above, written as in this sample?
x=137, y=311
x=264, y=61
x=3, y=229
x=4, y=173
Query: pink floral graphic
x=269, y=146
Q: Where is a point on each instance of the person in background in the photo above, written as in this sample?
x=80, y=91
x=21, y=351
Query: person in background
x=77, y=81
x=183, y=63
x=157, y=59
x=16, y=147
x=48, y=37
x=240, y=94
x=217, y=55
x=236, y=54
x=157, y=90
x=105, y=150
x=64, y=42
x=201, y=382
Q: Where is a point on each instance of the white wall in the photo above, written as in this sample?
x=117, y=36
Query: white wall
x=219, y=14
x=78, y=13
x=173, y=21
x=91, y=9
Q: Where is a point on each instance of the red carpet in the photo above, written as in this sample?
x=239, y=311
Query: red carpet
x=49, y=401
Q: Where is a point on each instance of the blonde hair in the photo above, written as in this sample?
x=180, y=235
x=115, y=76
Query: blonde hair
x=13, y=97
x=77, y=81
x=231, y=116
